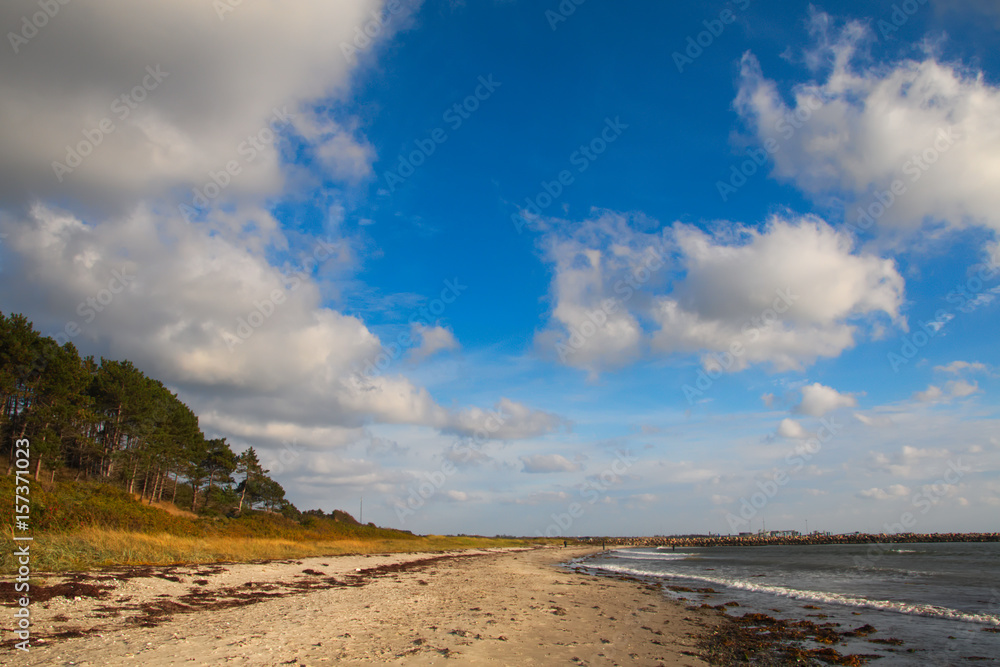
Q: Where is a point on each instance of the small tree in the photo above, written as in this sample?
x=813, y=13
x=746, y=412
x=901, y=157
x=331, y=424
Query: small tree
x=220, y=462
x=248, y=465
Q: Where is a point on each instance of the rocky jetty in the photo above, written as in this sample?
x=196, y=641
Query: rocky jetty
x=759, y=540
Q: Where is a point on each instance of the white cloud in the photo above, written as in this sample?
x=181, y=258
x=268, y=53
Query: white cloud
x=925, y=123
x=786, y=296
x=873, y=420
x=961, y=388
x=959, y=367
x=956, y=388
x=818, y=400
x=548, y=463
x=230, y=310
x=508, y=420
x=222, y=85
x=789, y=428
x=932, y=393
x=894, y=491
x=432, y=340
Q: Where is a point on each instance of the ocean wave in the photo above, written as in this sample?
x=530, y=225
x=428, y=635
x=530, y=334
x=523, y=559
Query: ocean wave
x=640, y=555
x=910, y=608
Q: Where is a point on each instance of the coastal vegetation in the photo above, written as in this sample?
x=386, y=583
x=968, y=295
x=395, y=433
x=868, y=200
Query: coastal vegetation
x=123, y=474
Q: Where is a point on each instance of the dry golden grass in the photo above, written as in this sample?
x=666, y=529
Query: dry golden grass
x=91, y=548
x=164, y=505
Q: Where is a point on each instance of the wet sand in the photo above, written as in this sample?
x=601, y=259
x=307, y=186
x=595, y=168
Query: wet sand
x=495, y=607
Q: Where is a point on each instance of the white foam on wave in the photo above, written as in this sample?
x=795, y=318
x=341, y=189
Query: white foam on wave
x=915, y=609
x=639, y=555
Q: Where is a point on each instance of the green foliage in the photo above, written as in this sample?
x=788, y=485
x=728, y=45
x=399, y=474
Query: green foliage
x=107, y=421
x=68, y=506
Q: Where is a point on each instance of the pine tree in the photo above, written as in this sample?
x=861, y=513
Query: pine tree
x=248, y=465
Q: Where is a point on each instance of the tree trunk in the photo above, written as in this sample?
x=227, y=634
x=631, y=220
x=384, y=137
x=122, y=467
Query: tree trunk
x=131, y=481
x=208, y=493
x=145, y=483
x=246, y=483
x=156, y=480
x=38, y=467
x=173, y=498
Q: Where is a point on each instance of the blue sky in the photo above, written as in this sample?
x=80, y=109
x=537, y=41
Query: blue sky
x=573, y=315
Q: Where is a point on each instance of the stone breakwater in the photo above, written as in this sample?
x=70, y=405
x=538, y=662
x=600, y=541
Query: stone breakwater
x=769, y=540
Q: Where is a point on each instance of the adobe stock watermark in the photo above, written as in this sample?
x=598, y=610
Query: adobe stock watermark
x=899, y=16
x=967, y=296
x=265, y=308
x=122, y=107
x=590, y=491
x=562, y=12
x=787, y=126
x=581, y=159
x=92, y=306
x=454, y=117
x=928, y=497
x=432, y=483
x=290, y=451
x=31, y=25
x=224, y=7
x=796, y=461
x=366, y=34
x=247, y=150
x=597, y=318
x=696, y=44
x=915, y=167
x=720, y=362
x=425, y=316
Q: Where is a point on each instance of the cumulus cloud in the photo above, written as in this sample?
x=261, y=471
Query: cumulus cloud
x=961, y=388
x=225, y=305
x=868, y=126
x=818, y=400
x=508, y=420
x=548, y=463
x=789, y=428
x=215, y=91
x=432, y=340
x=958, y=367
x=955, y=388
x=803, y=266
x=784, y=296
x=932, y=393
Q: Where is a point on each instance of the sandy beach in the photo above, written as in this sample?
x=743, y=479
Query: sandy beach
x=474, y=607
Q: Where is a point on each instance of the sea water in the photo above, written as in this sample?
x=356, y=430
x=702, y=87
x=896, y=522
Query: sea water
x=940, y=599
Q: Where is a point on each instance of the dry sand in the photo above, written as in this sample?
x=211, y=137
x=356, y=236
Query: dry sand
x=496, y=607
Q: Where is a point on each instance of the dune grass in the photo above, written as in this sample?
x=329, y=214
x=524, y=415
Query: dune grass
x=94, y=548
x=88, y=525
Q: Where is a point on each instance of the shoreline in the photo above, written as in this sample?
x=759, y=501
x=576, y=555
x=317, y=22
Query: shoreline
x=497, y=606
x=823, y=632
x=873, y=539
x=753, y=637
